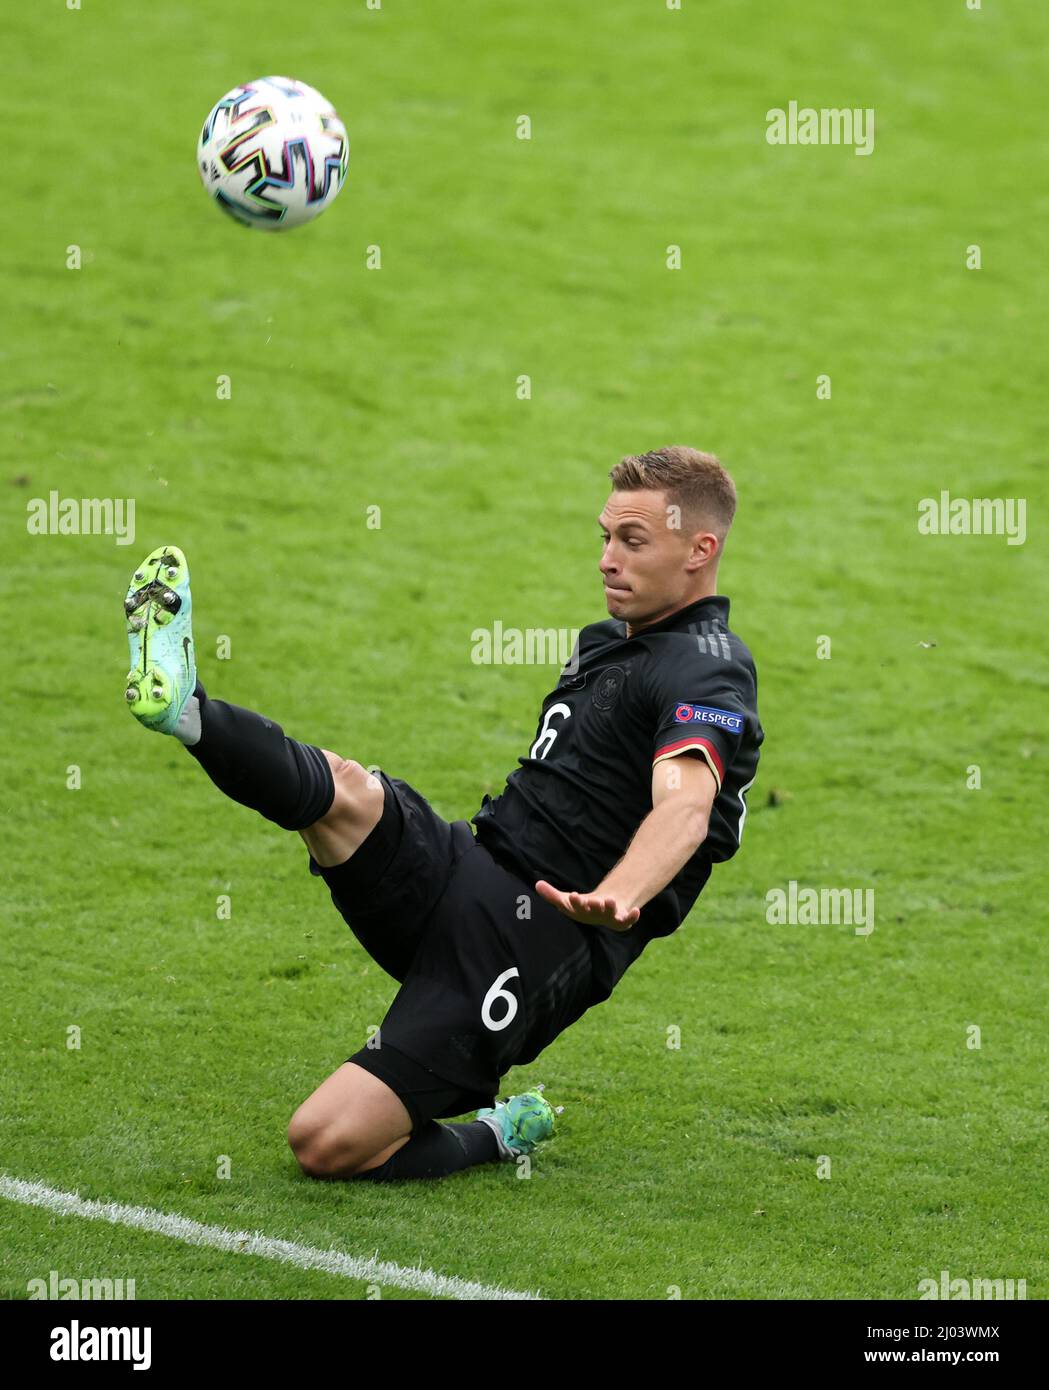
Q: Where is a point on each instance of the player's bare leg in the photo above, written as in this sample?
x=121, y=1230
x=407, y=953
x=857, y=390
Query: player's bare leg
x=353, y=814
x=353, y=1122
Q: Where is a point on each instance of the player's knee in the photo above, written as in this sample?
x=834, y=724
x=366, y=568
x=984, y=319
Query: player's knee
x=358, y=793
x=320, y=1150
x=315, y=1160
x=355, y=810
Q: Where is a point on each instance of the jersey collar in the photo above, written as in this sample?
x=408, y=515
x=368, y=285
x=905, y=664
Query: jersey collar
x=713, y=606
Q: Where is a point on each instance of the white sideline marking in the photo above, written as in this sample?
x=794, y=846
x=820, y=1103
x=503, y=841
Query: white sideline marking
x=373, y=1271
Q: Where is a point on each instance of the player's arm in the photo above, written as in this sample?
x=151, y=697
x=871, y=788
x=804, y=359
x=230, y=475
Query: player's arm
x=683, y=791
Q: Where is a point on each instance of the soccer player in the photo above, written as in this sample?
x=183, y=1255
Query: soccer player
x=632, y=787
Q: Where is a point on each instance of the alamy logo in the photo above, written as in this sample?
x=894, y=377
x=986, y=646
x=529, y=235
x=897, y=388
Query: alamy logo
x=827, y=907
x=82, y=516
x=974, y=1288
x=77, y=1343
x=825, y=125
x=974, y=516
x=531, y=646
x=80, y=1290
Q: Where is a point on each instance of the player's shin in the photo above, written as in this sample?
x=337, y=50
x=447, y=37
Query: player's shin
x=251, y=759
x=436, y=1151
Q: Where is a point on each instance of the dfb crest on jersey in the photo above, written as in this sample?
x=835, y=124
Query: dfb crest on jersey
x=609, y=684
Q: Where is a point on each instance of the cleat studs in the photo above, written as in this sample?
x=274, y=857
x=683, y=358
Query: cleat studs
x=157, y=692
x=169, y=597
x=171, y=571
x=139, y=574
x=131, y=694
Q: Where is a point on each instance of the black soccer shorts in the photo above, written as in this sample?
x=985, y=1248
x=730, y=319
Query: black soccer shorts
x=490, y=973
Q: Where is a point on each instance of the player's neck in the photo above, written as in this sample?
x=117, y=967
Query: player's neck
x=633, y=628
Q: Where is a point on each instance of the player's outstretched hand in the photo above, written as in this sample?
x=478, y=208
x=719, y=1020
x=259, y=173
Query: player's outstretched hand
x=595, y=909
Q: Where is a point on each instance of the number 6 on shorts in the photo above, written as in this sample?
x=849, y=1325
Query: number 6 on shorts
x=497, y=992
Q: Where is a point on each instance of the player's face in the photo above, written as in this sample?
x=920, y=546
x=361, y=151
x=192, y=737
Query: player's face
x=650, y=567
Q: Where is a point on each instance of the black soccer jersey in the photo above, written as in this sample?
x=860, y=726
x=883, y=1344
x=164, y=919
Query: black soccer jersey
x=568, y=813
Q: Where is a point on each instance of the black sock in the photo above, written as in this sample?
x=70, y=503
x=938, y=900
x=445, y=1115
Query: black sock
x=437, y=1150
x=249, y=758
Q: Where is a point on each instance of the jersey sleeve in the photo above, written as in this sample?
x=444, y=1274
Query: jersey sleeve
x=700, y=706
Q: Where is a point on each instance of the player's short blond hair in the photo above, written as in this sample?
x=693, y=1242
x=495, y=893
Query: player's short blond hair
x=694, y=481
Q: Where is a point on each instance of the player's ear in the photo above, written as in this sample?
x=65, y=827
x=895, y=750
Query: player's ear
x=705, y=549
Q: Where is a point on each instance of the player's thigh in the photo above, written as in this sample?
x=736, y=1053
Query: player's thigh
x=349, y=1118
x=355, y=811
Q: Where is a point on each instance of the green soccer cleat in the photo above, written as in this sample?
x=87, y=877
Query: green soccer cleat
x=519, y=1123
x=162, y=673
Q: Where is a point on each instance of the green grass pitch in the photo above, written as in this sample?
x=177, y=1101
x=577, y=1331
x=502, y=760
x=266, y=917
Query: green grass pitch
x=692, y=1169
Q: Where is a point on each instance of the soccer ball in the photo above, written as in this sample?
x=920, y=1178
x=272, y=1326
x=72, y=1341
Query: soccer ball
x=273, y=153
